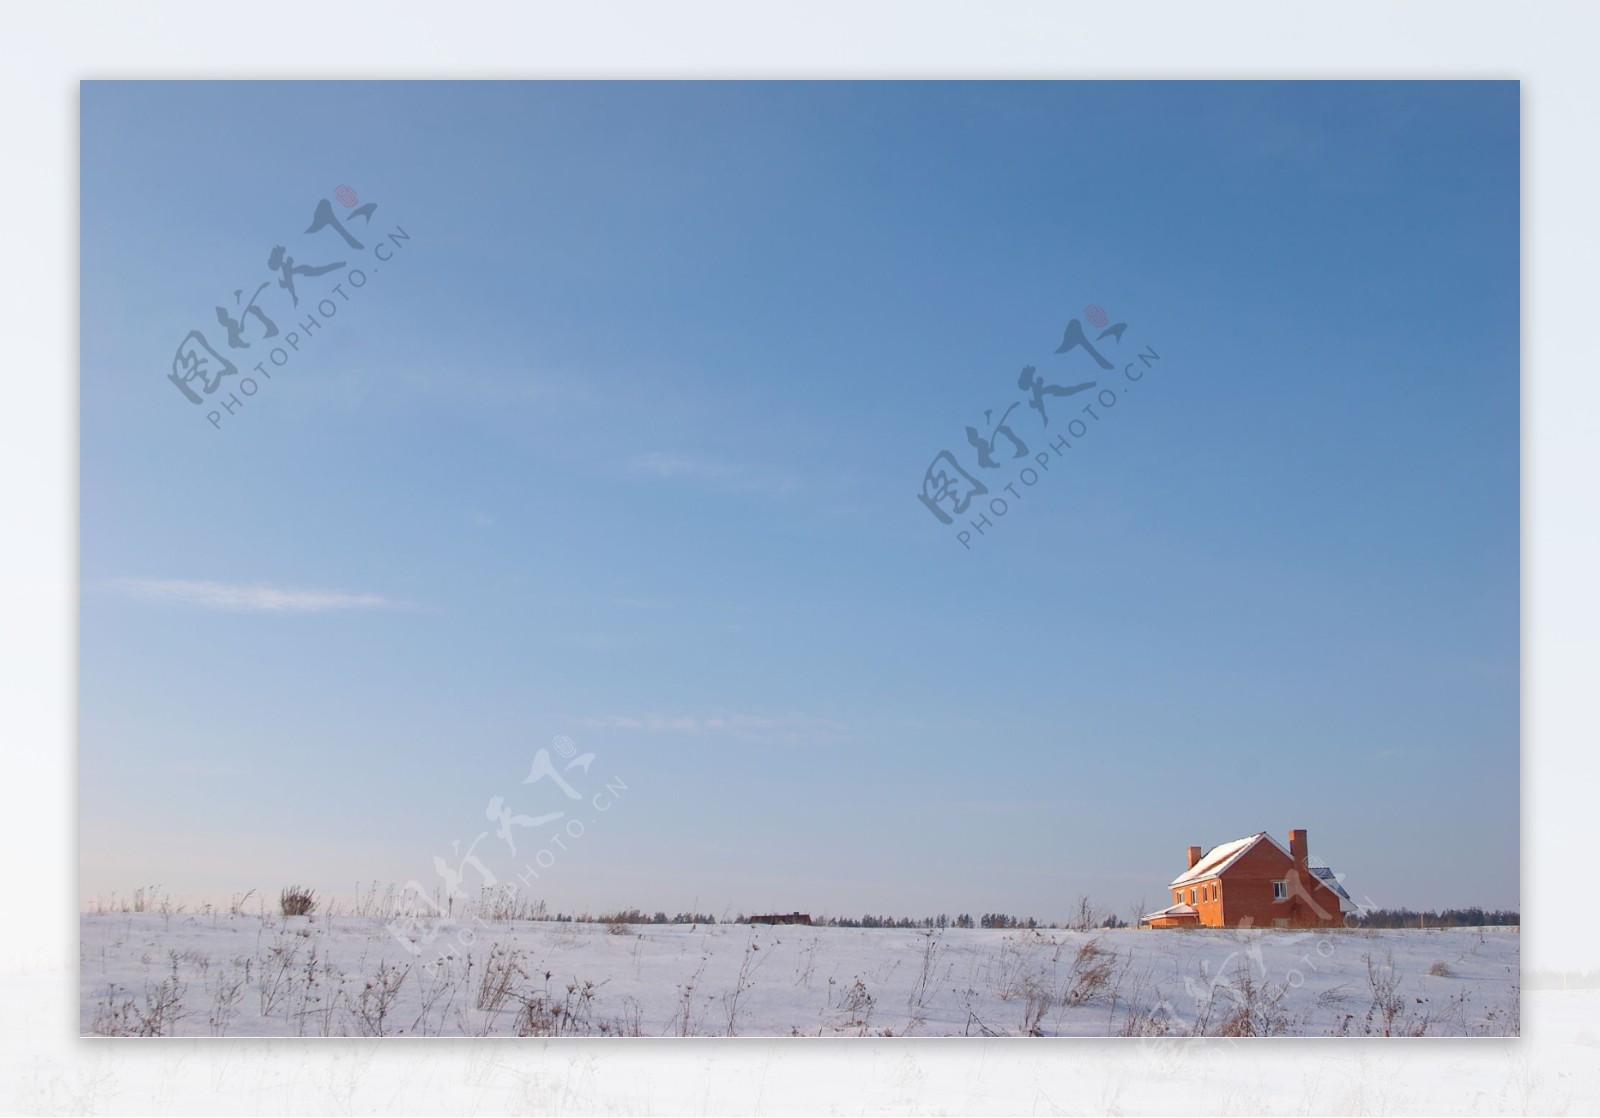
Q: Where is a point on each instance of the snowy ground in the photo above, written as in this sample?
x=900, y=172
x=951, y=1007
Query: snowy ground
x=249, y=975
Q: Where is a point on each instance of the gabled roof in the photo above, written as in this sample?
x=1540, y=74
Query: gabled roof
x=1221, y=857
x=1172, y=910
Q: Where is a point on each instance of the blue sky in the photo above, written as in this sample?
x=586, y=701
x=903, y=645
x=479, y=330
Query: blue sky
x=623, y=443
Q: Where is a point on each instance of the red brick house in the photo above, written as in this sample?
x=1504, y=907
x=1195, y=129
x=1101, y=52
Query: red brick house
x=1253, y=882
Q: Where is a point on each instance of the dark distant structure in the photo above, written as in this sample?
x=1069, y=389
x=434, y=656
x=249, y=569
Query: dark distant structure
x=783, y=918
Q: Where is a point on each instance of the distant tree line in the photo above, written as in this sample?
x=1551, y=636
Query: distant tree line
x=871, y=921
x=1443, y=918
x=1087, y=919
x=637, y=916
x=945, y=920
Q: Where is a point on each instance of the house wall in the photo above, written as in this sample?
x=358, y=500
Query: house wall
x=1210, y=910
x=1246, y=894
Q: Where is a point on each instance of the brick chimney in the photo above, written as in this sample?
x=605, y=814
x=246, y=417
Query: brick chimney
x=1297, y=846
x=1194, y=856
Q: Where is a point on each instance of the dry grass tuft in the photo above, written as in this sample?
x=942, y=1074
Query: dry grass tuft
x=296, y=901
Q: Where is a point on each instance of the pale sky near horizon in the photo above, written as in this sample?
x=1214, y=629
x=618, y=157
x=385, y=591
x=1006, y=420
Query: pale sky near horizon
x=623, y=443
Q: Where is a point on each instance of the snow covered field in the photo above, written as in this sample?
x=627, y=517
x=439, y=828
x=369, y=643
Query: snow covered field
x=251, y=975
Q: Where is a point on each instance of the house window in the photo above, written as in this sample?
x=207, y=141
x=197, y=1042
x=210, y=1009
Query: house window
x=1280, y=890
x=1177, y=896
x=1191, y=896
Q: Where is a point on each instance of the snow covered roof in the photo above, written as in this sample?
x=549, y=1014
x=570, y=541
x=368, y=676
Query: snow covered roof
x=1172, y=910
x=1329, y=878
x=1221, y=857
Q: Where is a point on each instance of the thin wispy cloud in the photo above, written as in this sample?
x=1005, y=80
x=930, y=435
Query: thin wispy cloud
x=729, y=477
x=606, y=642
x=640, y=603
x=789, y=725
x=664, y=464
x=247, y=598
